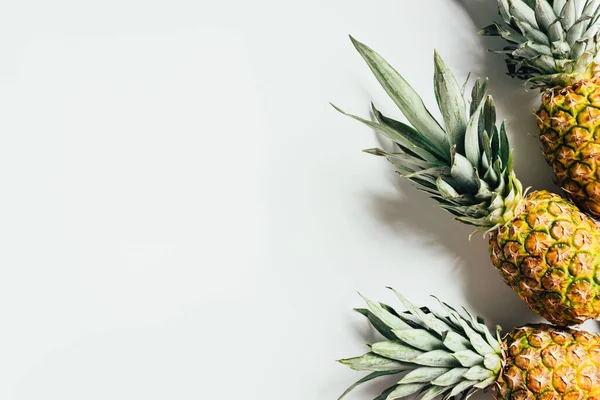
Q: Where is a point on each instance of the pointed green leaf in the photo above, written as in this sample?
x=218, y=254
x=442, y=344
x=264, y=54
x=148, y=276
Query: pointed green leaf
x=486, y=383
x=478, y=373
x=385, y=316
x=477, y=95
x=367, y=378
x=410, y=134
x=461, y=387
x=451, y=377
x=455, y=342
x=575, y=32
x=544, y=14
x=392, y=135
x=374, y=362
x=472, y=136
x=445, y=189
x=522, y=12
x=504, y=146
x=423, y=375
x=396, y=350
x=385, y=393
x=468, y=358
x=409, y=102
x=419, y=338
x=434, y=392
x=493, y=362
x=464, y=173
x=405, y=390
x=449, y=98
x=379, y=325
x=568, y=14
x=429, y=320
x=436, y=358
x=531, y=34
x=558, y=6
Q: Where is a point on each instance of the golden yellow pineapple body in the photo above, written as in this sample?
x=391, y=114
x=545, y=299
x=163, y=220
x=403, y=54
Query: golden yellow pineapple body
x=568, y=122
x=549, y=254
x=550, y=363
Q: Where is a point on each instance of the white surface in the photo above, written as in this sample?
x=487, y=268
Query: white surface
x=185, y=217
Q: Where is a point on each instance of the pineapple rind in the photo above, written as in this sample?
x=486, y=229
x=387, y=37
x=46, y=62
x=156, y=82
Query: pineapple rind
x=569, y=128
x=549, y=254
x=547, y=362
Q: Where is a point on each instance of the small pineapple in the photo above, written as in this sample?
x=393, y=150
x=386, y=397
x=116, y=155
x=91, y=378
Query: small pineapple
x=544, y=247
x=553, y=46
x=454, y=354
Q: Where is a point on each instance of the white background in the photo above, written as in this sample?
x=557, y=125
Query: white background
x=183, y=215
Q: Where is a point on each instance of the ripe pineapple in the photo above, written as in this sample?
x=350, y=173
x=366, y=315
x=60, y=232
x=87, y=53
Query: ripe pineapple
x=553, y=46
x=454, y=354
x=544, y=247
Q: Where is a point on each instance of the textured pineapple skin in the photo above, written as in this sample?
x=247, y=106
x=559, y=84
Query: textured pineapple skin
x=549, y=254
x=550, y=363
x=568, y=122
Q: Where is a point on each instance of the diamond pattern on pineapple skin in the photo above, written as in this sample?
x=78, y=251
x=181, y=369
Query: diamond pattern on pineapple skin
x=563, y=378
x=590, y=153
x=592, y=189
x=559, y=255
x=581, y=292
x=562, y=121
x=533, y=267
x=567, y=365
x=538, y=338
x=578, y=136
x=528, y=358
x=581, y=171
x=558, y=208
x=512, y=251
x=537, y=243
x=553, y=355
x=514, y=378
x=562, y=230
x=589, y=117
x=572, y=102
x=555, y=281
x=594, y=98
x=581, y=265
x=569, y=129
x=575, y=354
x=543, y=251
x=565, y=155
x=582, y=239
x=538, y=379
x=550, y=140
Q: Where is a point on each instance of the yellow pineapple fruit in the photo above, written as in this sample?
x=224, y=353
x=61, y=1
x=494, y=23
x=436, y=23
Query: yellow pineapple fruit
x=543, y=246
x=553, y=45
x=454, y=354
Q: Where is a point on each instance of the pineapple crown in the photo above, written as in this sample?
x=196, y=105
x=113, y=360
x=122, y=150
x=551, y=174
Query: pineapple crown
x=446, y=354
x=464, y=164
x=550, y=43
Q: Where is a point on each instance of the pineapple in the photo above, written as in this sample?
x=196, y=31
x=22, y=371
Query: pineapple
x=553, y=46
x=546, y=250
x=454, y=354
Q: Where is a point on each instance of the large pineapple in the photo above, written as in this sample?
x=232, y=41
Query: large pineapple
x=544, y=247
x=553, y=46
x=454, y=354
